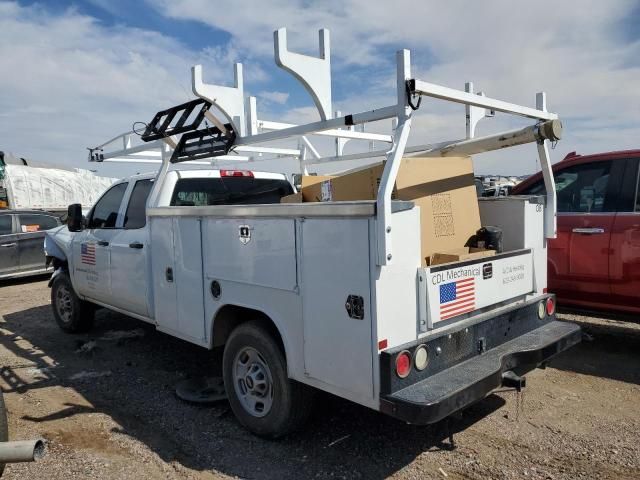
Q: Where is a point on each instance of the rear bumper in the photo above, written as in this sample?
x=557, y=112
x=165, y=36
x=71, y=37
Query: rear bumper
x=468, y=364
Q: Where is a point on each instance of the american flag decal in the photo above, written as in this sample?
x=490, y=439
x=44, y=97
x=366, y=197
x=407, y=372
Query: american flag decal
x=88, y=253
x=457, y=297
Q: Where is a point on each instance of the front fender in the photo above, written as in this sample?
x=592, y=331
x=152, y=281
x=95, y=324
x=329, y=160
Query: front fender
x=57, y=243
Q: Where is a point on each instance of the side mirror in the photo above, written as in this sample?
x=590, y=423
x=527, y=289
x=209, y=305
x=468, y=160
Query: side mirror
x=74, y=217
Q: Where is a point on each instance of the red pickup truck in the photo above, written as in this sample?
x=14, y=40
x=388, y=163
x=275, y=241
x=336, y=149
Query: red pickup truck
x=595, y=261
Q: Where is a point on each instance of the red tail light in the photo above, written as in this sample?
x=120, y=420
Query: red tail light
x=551, y=305
x=403, y=364
x=236, y=173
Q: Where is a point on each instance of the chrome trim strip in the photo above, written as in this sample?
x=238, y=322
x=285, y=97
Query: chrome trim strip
x=311, y=209
x=18, y=274
x=585, y=214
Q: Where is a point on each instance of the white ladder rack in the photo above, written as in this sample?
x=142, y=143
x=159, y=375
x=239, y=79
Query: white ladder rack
x=314, y=73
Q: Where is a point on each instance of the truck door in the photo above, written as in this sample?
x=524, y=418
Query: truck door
x=586, y=210
x=624, y=260
x=8, y=246
x=91, y=247
x=129, y=252
x=31, y=238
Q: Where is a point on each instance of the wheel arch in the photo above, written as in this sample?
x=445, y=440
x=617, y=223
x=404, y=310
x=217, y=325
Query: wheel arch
x=230, y=316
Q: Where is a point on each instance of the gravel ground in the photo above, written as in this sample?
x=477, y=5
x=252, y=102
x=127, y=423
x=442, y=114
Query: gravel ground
x=105, y=403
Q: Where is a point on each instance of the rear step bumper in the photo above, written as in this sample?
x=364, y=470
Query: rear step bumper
x=438, y=396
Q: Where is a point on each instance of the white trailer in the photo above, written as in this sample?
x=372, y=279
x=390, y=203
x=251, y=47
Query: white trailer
x=51, y=189
x=329, y=295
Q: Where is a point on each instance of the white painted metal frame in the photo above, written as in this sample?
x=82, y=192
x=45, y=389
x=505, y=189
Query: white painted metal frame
x=314, y=74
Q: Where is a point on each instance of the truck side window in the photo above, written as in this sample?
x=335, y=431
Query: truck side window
x=5, y=225
x=581, y=188
x=105, y=213
x=35, y=222
x=136, y=214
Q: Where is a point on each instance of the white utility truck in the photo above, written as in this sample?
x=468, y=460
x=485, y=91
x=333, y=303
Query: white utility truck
x=327, y=295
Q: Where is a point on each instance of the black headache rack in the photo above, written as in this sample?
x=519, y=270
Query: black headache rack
x=194, y=144
x=204, y=143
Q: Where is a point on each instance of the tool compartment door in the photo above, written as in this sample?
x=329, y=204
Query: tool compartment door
x=176, y=265
x=335, y=266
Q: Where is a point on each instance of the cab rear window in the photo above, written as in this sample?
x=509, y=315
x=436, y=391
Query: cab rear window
x=199, y=192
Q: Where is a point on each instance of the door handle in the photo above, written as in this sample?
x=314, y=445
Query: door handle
x=588, y=231
x=8, y=245
x=136, y=245
x=103, y=243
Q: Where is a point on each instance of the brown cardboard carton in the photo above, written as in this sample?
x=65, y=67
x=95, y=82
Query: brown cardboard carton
x=358, y=185
x=312, y=188
x=459, y=255
x=293, y=198
x=443, y=188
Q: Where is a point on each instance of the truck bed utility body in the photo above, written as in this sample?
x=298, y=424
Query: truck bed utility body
x=339, y=288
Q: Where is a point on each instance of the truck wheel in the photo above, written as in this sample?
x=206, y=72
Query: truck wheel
x=72, y=314
x=263, y=398
x=4, y=427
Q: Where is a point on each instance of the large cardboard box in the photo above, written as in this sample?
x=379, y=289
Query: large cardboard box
x=442, y=187
x=293, y=198
x=460, y=255
x=314, y=188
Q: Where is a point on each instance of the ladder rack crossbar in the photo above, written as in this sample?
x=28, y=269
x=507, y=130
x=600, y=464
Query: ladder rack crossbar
x=337, y=133
x=458, y=96
x=320, y=126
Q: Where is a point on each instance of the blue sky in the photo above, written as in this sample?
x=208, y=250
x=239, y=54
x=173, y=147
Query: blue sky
x=75, y=73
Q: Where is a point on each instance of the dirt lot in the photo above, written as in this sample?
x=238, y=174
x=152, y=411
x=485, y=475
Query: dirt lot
x=110, y=412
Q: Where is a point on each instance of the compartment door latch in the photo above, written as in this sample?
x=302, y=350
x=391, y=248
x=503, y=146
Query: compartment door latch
x=355, y=307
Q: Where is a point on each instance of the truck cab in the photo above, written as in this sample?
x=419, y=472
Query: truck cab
x=111, y=256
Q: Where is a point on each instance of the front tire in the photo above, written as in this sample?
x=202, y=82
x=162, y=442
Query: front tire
x=262, y=397
x=72, y=314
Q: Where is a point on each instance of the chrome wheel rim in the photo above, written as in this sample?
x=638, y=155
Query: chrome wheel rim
x=64, y=305
x=253, y=383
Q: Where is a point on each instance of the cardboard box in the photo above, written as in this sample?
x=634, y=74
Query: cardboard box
x=459, y=255
x=315, y=188
x=443, y=188
x=358, y=185
x=293, y=198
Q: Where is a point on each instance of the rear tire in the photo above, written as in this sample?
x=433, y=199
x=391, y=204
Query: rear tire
x=263, y=398
x=72, y=314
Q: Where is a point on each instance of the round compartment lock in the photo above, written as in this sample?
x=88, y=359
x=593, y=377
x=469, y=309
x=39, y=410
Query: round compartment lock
x=216, y=290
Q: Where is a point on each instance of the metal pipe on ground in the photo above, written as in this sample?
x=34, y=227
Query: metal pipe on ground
x=22, y=451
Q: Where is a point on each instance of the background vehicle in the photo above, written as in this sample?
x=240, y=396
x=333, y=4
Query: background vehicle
x=21, y=240
x=29, y=187
x=595, y=260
